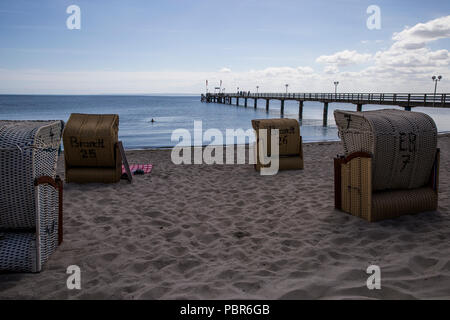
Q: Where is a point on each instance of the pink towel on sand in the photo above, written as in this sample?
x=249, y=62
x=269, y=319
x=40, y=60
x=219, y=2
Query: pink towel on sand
x=147, y=168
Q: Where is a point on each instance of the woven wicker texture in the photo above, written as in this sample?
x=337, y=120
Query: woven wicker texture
x=28, y=214
x=18, y=251
x=289, y=131
x=100, y=175
x=89, y=140
x=358, y=198
x=403, y=144
x=90, y=148
x=290, y=143
x=392, y=204
x=28, y=149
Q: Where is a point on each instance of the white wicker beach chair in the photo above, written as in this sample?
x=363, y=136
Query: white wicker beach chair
x=30, y=194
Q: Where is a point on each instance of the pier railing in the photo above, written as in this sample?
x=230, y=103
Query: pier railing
x=440, y=100
x=404, y=100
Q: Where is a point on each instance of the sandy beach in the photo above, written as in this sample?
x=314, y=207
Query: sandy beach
x=225, y=232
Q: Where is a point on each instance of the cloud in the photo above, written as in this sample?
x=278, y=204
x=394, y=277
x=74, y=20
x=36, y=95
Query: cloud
x=409, y=55
x=402, y=58
x=419, y=35
x=284, y=71
x=345, y=58
x=407, y=65
x=372, y=41
x=331, y=70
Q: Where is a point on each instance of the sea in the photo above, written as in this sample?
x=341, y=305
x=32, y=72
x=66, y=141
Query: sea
x=178, y=113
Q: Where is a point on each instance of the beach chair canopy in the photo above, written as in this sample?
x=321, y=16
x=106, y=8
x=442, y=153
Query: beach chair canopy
x=90, y=148
x=402, y=144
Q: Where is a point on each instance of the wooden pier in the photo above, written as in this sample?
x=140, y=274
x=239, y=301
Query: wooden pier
x=404, y=100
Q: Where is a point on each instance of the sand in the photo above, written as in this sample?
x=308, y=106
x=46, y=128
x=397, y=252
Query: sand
x=225, y=232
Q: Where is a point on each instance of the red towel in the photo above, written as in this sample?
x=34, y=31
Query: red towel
x=147, y=168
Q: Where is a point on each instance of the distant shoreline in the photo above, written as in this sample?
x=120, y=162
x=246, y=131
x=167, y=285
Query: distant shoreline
x=105, y=94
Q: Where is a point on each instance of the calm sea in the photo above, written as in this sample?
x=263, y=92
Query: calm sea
x=179, y=112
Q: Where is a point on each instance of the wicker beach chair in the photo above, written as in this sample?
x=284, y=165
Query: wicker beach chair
x=30, y=194
x=91, y=148
x=390, y=165
x=290, y=146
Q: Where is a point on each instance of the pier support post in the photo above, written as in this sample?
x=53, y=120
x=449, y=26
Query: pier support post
x=300, y=110
x=282, y=106
x=359, y=107
x=267, y=105
x=237, y=101
x=245, y=102
x=407, y=108
x=325, y=114
x=256, y=103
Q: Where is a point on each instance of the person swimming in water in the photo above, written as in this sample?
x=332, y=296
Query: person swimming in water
x=152, y=120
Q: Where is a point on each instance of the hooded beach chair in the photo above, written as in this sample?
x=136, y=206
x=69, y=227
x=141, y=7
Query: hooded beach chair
x=290, y=142
x=91, y=148
x=390, y=166
x=30, y=194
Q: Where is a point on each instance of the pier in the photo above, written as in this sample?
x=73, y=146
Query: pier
x=404, y=100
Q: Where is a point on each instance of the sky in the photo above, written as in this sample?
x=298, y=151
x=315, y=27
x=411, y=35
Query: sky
x=174, y=46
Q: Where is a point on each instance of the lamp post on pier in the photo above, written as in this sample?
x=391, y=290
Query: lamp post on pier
x=336, y=83
x=435, y=79
x=257, y=89
x=287, y=85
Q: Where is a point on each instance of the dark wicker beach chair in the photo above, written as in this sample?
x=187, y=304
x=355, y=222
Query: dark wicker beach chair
x=91, y=148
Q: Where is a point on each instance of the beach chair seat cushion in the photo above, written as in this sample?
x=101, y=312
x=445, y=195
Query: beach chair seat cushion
x=354, y=193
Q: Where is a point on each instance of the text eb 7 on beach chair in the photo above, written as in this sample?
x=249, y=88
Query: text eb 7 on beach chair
x=290, y=144
x=92, y=151
x=30, y=194
x=391, y=164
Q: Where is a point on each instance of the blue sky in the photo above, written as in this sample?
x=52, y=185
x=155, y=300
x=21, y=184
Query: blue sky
x=192, y=39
